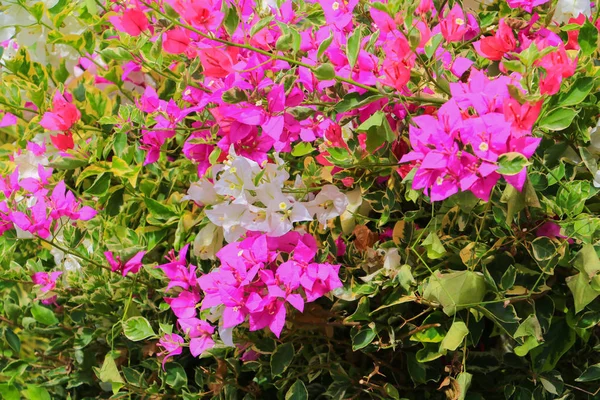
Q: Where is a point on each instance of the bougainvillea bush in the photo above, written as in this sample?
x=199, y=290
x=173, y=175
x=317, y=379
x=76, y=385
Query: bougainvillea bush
x=302, y=199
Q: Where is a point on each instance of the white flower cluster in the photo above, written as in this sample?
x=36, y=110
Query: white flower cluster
x=20, y=29
x=243, y=196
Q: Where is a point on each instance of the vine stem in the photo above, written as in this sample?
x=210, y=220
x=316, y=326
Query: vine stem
x=312, y=68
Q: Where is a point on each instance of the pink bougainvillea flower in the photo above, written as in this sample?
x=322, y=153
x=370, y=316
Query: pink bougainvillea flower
x=117, y=265
x=63, y=203
x=7, y=119
x=552, y=230
x=526, y=5
x=200, y=333
x=215, y=62
x=338, y=12
x=398, y=63
x=495, y=47
x=176, y=41
x=63, y=115
x=172, y=345
x=47, y=281
x=458, y=25
x=133, y=21
x=184, y=305
x=522, y=117
x=37, y=223
x=178, y=272
x=63, y=141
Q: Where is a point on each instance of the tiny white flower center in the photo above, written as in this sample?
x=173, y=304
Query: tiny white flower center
x=483, y=146
x=282, y=206
x=459, y=21
x=335, y=6
x=439, y=180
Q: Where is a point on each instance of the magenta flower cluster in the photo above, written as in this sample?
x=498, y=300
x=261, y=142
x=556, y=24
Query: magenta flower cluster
x=258, y=277
x=29, y=207
x=458, y=149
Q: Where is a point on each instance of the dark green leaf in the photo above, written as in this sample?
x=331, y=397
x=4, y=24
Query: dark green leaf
x=559, y=339
x=297, y=391
x=363, y=338
x=281, y=359
x=588, y=38
x=13, y=340
x=590, y=374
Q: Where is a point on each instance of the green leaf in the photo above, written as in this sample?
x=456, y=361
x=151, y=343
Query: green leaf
x=9, y=392
x=363, y=338
x=302, y=149
x=583, y=293
x=434, y=246
x=590, y=374
x=546, y=253
x=116, y=53
x=325, y=72
x=530, y=327
x=175, y=376
x=464, y=382
x=558, y=119
x=261, y=24
x=110, y=373
x=508, y=278
x=43, y=315
x=432, y=44
x=430, y=352
x=37, y=11
x=284, y=42
x=35, y=392
x=355, y=100
x=324, y=45
x=137, y=328
x=353, y=47
x=158, y=209
x=552, y=382
x=558, y=340
x=455, y=290
x=281, y=359
x=579, y=91
x=378, y=130
x=362, y=311
x=391, y=391
x=13, y=340
x=297, y=391
x=231, y=20
x=455, y=336
x=511, y=163
x=587, y=261
x=571, y=196
x=434, y=334
x=588, y=38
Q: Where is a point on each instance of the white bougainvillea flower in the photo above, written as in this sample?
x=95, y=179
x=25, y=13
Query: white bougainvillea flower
x=329, y=203
x=566, y=9
x=208, y=241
